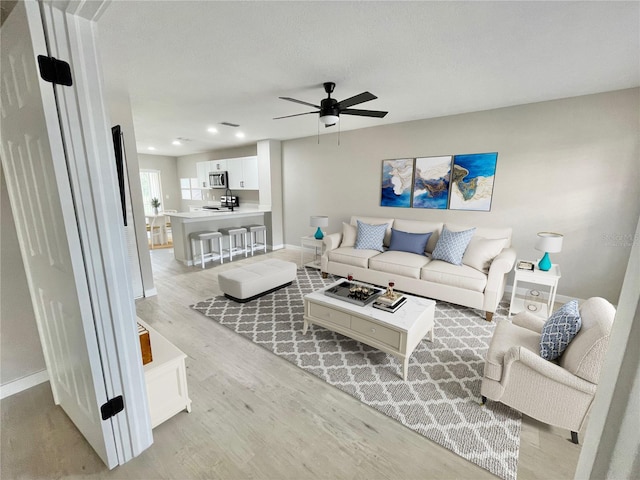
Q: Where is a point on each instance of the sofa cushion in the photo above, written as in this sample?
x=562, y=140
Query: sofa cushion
x=399, y=263
x=370, y=237
x=351, y=256
x=376, y=221
x=419, y=226
x=460, y=276
x=481, y=252
x=505, y=336
x=559, y=330
x=409, y=242
x=349, y=233
x=452, y=245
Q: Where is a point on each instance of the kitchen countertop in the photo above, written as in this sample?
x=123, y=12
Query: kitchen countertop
x=223, y=213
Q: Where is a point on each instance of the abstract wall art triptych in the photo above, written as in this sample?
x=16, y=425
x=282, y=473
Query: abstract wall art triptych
x=456, y=182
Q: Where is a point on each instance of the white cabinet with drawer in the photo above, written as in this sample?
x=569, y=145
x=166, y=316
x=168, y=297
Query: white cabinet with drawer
x=165, y=378
x=396, y=333
x=243, y=173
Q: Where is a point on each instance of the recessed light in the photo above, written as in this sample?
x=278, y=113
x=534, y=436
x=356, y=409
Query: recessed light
x=151, y=148
x=212, y=130
x=176, y=142
x=240, y=135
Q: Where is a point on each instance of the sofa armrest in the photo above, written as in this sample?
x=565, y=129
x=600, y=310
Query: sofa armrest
x=503, y=263
x=332, y=241
x=498, y=270
x=549, y=370
x=529, y=321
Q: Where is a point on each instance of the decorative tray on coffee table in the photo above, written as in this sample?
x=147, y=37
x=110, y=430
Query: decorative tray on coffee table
x=354, y=292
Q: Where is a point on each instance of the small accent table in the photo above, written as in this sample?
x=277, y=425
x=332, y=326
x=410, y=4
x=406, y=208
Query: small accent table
x=538, y=277
x=307, y=243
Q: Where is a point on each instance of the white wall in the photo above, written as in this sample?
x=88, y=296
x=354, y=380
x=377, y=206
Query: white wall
x=20, y=348
x=168, y=167
x=569, y=166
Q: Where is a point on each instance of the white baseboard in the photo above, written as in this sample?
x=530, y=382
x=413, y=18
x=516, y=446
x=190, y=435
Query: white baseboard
x=152, y=292
x=277, y=247
x=23, y=383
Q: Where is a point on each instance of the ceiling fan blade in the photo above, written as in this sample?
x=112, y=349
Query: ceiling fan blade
x=331, y=125
x=364, y=113
x=296, y=115
x=360, y=98
x=299, y=101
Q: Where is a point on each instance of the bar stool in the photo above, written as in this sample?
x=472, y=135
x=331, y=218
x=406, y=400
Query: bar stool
x=202, y=237
x=252, y=233
x=236, y=236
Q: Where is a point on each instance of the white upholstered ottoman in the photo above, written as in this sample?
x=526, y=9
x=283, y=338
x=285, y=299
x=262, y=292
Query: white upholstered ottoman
x=251, y=281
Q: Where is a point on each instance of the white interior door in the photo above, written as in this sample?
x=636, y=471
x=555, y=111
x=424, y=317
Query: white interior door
x=89, y=356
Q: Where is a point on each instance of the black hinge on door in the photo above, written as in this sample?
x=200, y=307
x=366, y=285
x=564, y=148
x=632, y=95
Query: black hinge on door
x=55, y=71
x=113, y=406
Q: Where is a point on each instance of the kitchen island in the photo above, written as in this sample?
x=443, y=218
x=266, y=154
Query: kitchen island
x=184, y=223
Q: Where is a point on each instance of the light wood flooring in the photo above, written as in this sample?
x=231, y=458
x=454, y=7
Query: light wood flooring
x=254, y=415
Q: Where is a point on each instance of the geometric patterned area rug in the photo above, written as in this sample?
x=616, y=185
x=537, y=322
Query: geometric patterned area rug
x=441, y=398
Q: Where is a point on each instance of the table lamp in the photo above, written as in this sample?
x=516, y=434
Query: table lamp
x=548, y=242
x=319, y=221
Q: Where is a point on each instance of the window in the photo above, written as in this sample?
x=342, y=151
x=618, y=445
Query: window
x=151, y=188
x=190, y=189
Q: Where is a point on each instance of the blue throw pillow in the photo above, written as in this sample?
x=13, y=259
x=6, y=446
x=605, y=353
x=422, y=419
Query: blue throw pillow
x=409, y=242
x=452, y=245
x=559, y=330
x=370, y=236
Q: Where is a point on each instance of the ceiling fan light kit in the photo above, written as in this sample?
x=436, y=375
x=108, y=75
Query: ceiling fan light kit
x=330, y=109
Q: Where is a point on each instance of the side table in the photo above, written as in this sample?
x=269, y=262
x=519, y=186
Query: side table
x=307, y=243
x=537, y=277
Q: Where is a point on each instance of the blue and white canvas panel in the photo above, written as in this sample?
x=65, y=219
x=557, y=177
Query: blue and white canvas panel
x=397, y=178
x=472, y=181
x=431, y=182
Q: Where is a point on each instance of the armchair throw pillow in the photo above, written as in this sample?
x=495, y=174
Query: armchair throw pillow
x=370, y=237
x=409, y=242
x=559, y=330
x=452, y=245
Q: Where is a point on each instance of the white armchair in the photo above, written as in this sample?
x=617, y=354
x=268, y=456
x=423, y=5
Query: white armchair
x=560, y=392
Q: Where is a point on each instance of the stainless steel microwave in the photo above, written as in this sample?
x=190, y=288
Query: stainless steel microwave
x=219, y=179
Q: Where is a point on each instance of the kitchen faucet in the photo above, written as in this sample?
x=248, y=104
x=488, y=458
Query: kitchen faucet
x=228, y=194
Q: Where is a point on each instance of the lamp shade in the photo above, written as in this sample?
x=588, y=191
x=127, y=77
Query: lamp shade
x=549, y=242
x=319, y=221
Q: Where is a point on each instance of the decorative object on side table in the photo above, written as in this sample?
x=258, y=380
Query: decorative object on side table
x=319, y=221
x=548, y=242
x=524, y=265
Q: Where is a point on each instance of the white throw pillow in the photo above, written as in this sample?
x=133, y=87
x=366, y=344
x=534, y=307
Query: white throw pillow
x=349, y=233
x=481, y=252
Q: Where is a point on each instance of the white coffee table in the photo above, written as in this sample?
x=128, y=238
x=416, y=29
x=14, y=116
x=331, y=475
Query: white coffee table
x=395, y=333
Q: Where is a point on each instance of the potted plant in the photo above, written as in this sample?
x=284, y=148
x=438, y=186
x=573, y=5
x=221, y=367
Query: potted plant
x=155, y=203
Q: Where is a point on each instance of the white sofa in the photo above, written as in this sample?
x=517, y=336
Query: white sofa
x=480, y=286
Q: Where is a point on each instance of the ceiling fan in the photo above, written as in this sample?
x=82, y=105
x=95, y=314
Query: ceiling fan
x=330, y=109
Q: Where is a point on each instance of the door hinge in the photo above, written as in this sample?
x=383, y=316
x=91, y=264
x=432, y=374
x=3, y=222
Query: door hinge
x=112, y=407
x=55, y=71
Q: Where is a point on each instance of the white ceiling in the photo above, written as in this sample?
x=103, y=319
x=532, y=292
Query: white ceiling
x=190, y=65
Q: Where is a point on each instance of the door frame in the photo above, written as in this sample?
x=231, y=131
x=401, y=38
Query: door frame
x=70, y=31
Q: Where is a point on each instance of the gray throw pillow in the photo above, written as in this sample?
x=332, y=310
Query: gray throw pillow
x=409, y=242
x=559, y=330
x=370, y=237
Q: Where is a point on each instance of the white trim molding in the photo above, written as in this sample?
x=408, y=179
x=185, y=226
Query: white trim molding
x=24, y=383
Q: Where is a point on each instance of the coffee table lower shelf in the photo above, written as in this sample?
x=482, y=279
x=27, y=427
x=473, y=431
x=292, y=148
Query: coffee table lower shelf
x=395, y=333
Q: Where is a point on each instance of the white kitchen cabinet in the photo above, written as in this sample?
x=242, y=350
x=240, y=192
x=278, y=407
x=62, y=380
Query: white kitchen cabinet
x=202, y=173
x=243, y=173
x=234, y=167
x=218, y=165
